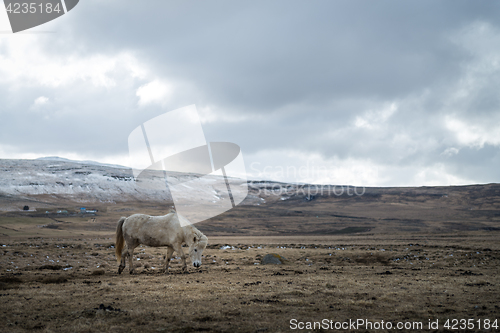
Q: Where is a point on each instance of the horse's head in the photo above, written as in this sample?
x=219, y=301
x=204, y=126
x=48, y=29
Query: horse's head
x=196, y=249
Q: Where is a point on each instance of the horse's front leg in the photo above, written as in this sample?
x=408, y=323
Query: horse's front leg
x=184, y=266
x=170, y=251
x=178, y=249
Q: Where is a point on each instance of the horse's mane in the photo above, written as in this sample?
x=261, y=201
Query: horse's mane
x=198, y=233
x=201, y=237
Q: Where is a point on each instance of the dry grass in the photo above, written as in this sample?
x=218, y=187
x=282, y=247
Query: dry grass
x=338, y=278
x=394, y=255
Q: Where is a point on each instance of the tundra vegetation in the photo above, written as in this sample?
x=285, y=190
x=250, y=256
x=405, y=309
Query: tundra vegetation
x=396, y=255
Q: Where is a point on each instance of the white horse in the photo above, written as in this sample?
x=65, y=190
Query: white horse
x=158, y=231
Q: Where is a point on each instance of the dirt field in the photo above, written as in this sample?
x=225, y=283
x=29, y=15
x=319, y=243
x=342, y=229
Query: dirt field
x=398, y=255
x=71, y=284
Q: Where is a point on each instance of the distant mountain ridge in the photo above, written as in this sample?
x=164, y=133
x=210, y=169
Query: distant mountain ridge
x=56, y=179
x=62, y=159
x=270, y=208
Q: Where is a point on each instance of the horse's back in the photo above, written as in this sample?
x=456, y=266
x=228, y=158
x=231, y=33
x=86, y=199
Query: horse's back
x=151, y=230
x=137, y=219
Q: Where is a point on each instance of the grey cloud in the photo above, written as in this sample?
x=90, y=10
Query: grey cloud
x=266, y=54
x=299, y=72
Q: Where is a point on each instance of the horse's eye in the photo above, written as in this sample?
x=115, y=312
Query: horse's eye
x=195, y=250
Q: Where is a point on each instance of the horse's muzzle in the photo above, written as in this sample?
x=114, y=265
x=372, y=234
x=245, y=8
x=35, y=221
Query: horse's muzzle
x=196, y=264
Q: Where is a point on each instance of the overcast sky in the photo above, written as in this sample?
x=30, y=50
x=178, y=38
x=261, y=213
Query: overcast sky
x=372, y=93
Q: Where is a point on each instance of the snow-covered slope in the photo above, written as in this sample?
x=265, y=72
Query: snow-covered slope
x=79, y=181
x=71, y=180
x=53, y=179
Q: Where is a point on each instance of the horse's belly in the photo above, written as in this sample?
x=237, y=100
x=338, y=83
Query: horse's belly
x=153, y=240
x=154, y=237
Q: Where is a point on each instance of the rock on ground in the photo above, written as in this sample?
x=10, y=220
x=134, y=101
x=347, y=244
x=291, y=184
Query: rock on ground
x=273, y=259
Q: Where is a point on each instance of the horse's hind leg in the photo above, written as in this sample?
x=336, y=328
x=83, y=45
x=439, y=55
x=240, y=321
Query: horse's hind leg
x=130, y=254
x=126, y=253
x=122, y=261
x=170, y=251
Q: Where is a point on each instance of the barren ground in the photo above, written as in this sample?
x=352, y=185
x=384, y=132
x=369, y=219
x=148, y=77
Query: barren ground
x=66, y=284
x=394, y=254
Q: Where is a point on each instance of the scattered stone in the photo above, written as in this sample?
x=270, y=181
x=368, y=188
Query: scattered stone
x=102, y=310
x=54, y=279
x=256, y=283
x=480, y=284
x=9, y=282
x=38, y=326
x=10, y=279
x=98, y=272
x=51, y=267
x=91, y=282
x=106, y=308
x=273, y=259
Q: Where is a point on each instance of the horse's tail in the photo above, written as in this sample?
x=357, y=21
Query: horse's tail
x=119, y=239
